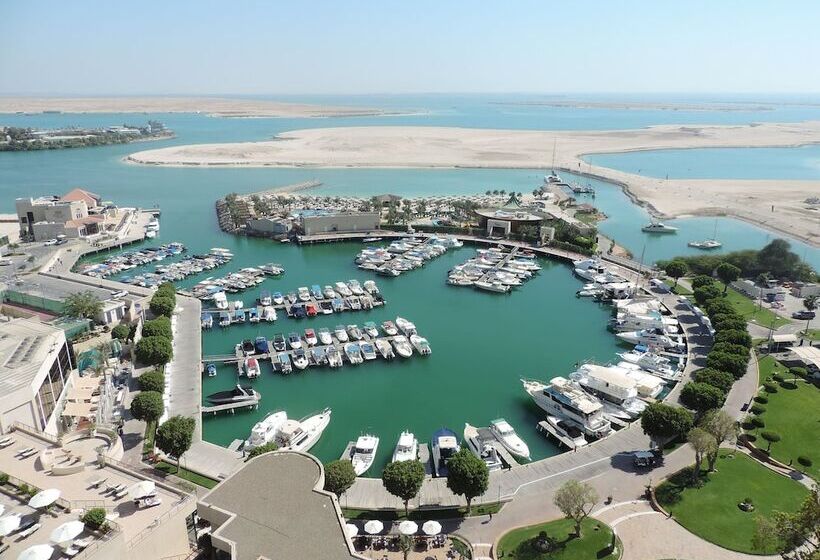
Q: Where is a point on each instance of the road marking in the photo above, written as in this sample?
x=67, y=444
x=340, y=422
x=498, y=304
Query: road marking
x=543, y=478
x=631, y=515
x=619, y=504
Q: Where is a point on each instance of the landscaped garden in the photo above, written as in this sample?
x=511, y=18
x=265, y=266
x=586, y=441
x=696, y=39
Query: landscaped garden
x=711, y=509
x=750, y=310
x=767, y=366
x=558, y=542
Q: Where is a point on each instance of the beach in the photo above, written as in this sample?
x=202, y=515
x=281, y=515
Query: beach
x=777, y=205
x=212, y=106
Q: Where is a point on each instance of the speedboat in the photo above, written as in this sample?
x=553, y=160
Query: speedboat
x=310, y=337
x=299, y=358
x=334, y=357
x=240, y=393
x=279, y=342
x=390, y=328
x=651, y=362
x=482, y=446
x=224, y=319
x=278, y=298
x=269, y=313
x=354, y=332
x=316, y=291
x=567, y=401
x=283, y=364
x=302, y=435
x=407, y=449
x=207, y=320
x=420, y=344
x=325, y=337
x=371, y=239
x=371, y=329
x=384, y=348
x=506, y=434
x=341, y=333
x=355, y=287
x=368, y=351
x=658, y=227
x=706, y=244
x=402, y=346
x=444, y=446
x=329, y=292
x=326, y=307
x=220, y=300
x=303, y=293
x=264, y=431
x=251, y=367
x=370, y=287
x=353, y=353
x=261, y=345
x=405, y=326
x=564, y=430
x=653, y=338
x=318, y=356
x=211, y=370
x=294, y=341
x=343, y=290
x=248, y=347
x=363, y=453
x=265, y=298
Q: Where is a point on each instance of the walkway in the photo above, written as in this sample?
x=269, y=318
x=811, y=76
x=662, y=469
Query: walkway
x=184, y=395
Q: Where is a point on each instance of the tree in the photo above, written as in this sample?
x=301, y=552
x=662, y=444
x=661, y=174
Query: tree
x=147, y=406
x=167, y=289
x=175, y=436
x=339, y=476
x=729, y=348
x=576, y=499
x=703, y=443
x=153, y=380
x=734, y=337
x=161, y=326
x=720, y=379
x=706, y=293
x=403, y=479
x=84, y=305
x=468, y=476
x=677, y=270
x=810, y=303
x=261, y=450
x=732, y=363
x=405, y=545
x=154, y=350
x=796, y=536
x=662, y=422
x=94, y=518
x=770, y=437
x=722, y=427
x=121, y=332
x=702, y=396
x=701, y=280
x=728, y=322
x=777, y=258
x=717, y=306
x=162, y=305
x=727, y=273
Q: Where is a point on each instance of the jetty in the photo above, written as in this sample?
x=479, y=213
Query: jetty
x=547, y=429
x=404, y=254
x=495, y=270
x=235, y=282
x=250, y=404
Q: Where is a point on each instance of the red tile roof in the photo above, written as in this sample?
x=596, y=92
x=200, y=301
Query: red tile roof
x=91, y=199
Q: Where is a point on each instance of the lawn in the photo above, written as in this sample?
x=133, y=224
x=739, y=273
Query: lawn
x=712, y=511
x=767, y=366
x=748, y=308
x=185, y=474
x=425, y=514
x=813, y=334
x=593, y=544
x=679, y=290
x=795, y=415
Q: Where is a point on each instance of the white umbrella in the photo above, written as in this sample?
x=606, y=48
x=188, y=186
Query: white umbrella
x=44, y=498
x=9, y=523
x=142, y=489
x=373, y=526
x=67, y=532
x=352, y=530
x=431, y=528
x=37, y=552
x=408, y=527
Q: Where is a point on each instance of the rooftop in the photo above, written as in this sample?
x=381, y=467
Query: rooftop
x=24, y=346
x=56, y=289
x=91, y=199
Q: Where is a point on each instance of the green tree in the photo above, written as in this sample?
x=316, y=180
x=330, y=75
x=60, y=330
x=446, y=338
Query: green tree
x=703, y=443
x=121, y=332
x=702, y=396
x=339, y=476
x=723, y=428
x=94, y=518
x=795, y=535
x=706, y=293
x=732, y=363
x=734, y=337
x=810, y=303
x=576, y=500
x=770, y=437
x=147, y=406
x=662, y=422
x=720, y=379
x=403, y=479
x=153, y=380
x=162, y=305
x=261, y=450
x=729, y=348
x=161, y=326
x=405, y=543
x=175, y=435
x=719, y=306
x=701, y=280
x=727, y=273
x=778, y=259
x=166, y=289
x=725, y=321
x=677, y=270
x=154, y=350
x=84, y=305
x=468, y=476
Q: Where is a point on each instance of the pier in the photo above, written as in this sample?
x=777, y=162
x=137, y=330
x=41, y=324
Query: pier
x=404, y=254
x=546, y=428
x=231, y=407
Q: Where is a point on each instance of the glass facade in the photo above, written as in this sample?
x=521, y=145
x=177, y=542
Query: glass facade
x=52, y=386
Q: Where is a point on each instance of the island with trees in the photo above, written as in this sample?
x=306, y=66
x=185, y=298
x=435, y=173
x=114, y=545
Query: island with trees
x=19, y=139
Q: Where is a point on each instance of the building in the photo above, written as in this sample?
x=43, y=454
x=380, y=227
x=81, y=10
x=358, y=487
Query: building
x=269, y=227
x=275, y=507
x=805, y=356
x=805, y=289
x=313, y=222
x=79, y=213
x=507, y=219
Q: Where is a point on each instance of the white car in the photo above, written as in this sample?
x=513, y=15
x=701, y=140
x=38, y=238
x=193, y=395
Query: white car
x=6, y=262
x=50, y=242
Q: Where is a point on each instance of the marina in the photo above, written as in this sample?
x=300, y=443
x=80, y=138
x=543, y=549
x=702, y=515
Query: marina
x=404, y=254
x=129, y=260
x=214, y=289
x=496, y=269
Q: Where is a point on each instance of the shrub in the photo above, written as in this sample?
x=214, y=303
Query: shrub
x=162, y=305
x=262, y=449
x=770, y=437
x=805, y=461
x=762, y=399
x=777, y=377
x=121, y=332
x=94, y=518
x=161, y=326
x=770, y=387
x=166, y=289
x=758, y=409
x=154, y=350
x=4, y=479
x=758, y=422
x=800, y=372
x=734, y=337
x=729, y=348
x=153, y=380
x=701, y=280
x=706, y=293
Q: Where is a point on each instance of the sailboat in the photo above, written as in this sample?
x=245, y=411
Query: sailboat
x=553, y=178
x=708, y=243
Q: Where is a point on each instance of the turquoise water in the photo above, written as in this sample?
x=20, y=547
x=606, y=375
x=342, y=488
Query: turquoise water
x=718, y=163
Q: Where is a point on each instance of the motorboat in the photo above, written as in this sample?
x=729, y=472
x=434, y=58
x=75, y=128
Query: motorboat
x=278, y=298
x=299, y=359
x=251, y=367
x=363, y=453
x=617, y=390
x=405, y=326
x=402, y=346
x=279, y=342
x=224, y=319
x=353, y=353
x=265, y=298
x=355, y=287
x=294, y=341
x=407, y=448
x=329, y=292
x=316, y=292
x=341, y=333
x=303, y=293
x=494, y=286
x=384, y=348
x=354, y=332
x=337, y=305
x=353, y=302
x=371, y=329
x=310, y=337
x=370, y=287
x=506, y=434
x=651, y=362
x=325, y=337
x=652, y=338
x=283, y=363
x=342, y=289
x=389, y=328
x=651, y=320
x=649, y=386
x=261, y=345
x=567, y=401
x=706, y=244
x=207, y=320
x=210, y=369
x=264, y=431
x=248, y=347
x=444, y=446
x=371, y=239
x=420, y=344
x=311, y=309
x=482, y=445
x=220, y=300
x=240, y=393
x=368, y=350
x=299, y=311
x=302, y=435
x=564, y=430
x=318, y=356
x=334, y=357
x=269, y=314
x=326, y=307
x=658, y=227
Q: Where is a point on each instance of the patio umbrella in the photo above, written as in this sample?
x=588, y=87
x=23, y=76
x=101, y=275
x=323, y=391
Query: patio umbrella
x=37, y=552
x=44, y=498
x=408, y=527
x=9, y=523
x=67, y=532
x=373, y=526
x=431, y=528
x=351, y=530
x=142, y=489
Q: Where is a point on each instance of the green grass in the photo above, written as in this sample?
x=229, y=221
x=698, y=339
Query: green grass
x=679, y=290
x=767, y=366
x=711, y=511
x=424, y=514
x=795, y=415
x=148, y=438
x=185, y=474
x=748, y=308
x=813, y=334
x=593, y=544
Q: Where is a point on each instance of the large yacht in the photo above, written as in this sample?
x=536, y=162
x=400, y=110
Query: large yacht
x=617, y=390
x=653, y=338
x=482, y=446
x=363, y=453
x=506, y=434
x=302, y=435
x=656, y=364
x=407, y=449
x=264, y=431
x=626, y=321
x=567, y=401
x=444, y=446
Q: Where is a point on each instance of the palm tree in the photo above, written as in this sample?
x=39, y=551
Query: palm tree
x=810, y=303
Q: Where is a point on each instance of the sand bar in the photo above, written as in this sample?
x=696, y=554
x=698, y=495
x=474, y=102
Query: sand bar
x=213, y=106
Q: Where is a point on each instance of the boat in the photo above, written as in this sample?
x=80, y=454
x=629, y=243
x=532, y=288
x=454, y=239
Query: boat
x=371, y=239
x=343, y=289
x=368, y=351
x=324, y=336
x=482, y=446
x=278, y=298
x=316, y=291
x=264, y=431
x=261, y=345
x=618, y=391
x=420, y=344
x=334, y=357
x=569, y=402
x=370, y=287
x=299, y=311
x=299, y=358
x=371, y=329
x=302, y=435
x=353, y=353
x=493, y=286
x=207, y=320
x=210, y=369
x=564, y=431
x=269, y=314
x=303, y=293
x=706, y=244
x=402, y=346
x=506, y=434
x=651, y=362
x=279, y=342
x=318, y=356
x=389, y=328
x=329, y=292
x=239, y=394
x=326, y=307
x=355, y=287
x=310, y=337
x=658, y=227
x=294, y=341
x=265, y=298
x=311, y=309
x=341, y=333
x=220, y=300
x=251, y=367
x=224, y=319
x=283, y=364
x=405, y=326
x=363, y=453
x=248, y=347
x=445, y=445
x=407, y=448
x=354, y=332
x=384, y=348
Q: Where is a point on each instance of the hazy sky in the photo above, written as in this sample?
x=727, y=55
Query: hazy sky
x=176, y=46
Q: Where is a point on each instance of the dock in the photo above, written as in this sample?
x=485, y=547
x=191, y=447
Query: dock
x=546, y=428
x=506, y=457
x=403, y=255
x=334, y=237
x=426, y=458
x=348, y=452
x=231, y=407
x=493, y=273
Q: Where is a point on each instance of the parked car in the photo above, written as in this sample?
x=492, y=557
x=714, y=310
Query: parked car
x=50, y=242
x=804, y=314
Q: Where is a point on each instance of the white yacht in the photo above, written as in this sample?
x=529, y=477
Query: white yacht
x=617, y=390
x=493, y=286
x=329, y=292
x=566, y=430
x=407, y=448
x=405, y=326
x=588, y=268
x=355, y=287
x=706, y=244
x=334, y=357
x=302, y=435
x=482, y=446
x=567, y=401
x=444, y=445
x=658, y=227
x=363, y=453
x=325, y=337
x=420, y=344
x=653, y=338
x=264, y=431
x=343, y=290
x=402, y=346
x=384, y=348
x=220, y=300
x=303, y=293
x=370, y=287
x=341, y=333
x=300, y=360
x=269, y=313
x=651, y=320
x=506, y=434
x=651, y=362
x=649, y=386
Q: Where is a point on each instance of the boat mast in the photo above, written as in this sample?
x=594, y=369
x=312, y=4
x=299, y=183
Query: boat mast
x=554, y=145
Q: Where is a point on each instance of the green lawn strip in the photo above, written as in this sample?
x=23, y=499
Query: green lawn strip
x=592, y=545
x=421, y=515
x=767, y=366
x=748, y=308
x=185, y=474
x=813, y=334
x=679, y=290
x=148, y=439
x=712, y=511
x=795, y=415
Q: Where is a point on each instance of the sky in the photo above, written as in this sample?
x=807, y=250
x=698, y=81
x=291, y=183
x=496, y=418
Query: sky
x=85, y=47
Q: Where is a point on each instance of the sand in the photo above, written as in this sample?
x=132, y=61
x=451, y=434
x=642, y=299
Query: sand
x=213, y=106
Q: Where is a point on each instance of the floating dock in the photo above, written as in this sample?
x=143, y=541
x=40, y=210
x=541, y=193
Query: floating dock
x=492, y=276
x=547, y=429
x=506, y=457
x=231, y=407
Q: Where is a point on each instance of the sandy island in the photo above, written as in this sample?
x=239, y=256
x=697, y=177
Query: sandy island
x=213, y=106
x=420, y=147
